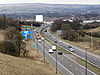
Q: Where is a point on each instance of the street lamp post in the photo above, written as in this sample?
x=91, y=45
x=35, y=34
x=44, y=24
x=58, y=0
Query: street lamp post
x=86, y=62
x=78, y=38
x=54, y=48
x=83, y=35
x=56, y=61
x=44, y=48
x=38, y=40
x=91, y=41
x=37, y=46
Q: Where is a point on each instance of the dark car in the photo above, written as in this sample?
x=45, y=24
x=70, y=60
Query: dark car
x=69, y=46
x=45, y=30
x=60, y=53
x=55, y=41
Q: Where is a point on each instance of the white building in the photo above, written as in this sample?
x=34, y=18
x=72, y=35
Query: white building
x=68, y=20
x=90, y=21
x=39, y=18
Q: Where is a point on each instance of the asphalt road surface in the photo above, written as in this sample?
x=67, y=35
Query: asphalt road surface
x=65, y=64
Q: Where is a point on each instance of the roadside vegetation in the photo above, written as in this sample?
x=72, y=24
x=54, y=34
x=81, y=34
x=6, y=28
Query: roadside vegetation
x=89, y=66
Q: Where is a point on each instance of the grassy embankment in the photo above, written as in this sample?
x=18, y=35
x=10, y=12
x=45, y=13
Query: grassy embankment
x=30, y=64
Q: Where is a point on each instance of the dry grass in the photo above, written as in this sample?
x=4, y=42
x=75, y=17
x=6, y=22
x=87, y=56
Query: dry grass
x=32, y=64
x=85, y=45
x=95, y=30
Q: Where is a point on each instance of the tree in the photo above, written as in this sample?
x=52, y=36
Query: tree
x=56, y=25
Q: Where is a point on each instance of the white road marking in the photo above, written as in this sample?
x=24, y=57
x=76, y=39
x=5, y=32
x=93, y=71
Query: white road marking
x=76, y=69
x=71, y=65
x=82, y=73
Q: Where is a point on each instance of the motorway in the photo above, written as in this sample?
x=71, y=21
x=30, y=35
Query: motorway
x=78, y=51
x=65, y=64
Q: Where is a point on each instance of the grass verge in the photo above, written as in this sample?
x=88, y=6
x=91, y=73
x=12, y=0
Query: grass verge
x=89, y=66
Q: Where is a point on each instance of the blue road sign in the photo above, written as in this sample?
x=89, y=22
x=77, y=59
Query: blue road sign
x=27, y=28
x=26, y=34
x=33, y=44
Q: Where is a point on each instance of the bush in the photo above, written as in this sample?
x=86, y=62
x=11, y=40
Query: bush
x=69, y=35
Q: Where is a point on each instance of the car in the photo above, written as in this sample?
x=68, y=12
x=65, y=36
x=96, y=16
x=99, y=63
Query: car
x=60, y=41
x=46, y=34
x=35, y=30
x=39, y=40
x=50, y=51
x=45, y=30
x=60, y=53
x=72, y=50
x=69, y=46
x=55, y=41
x=49, y=35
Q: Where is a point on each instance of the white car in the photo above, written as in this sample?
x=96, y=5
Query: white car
x=35, y=30
x=50, y=51
x=39, y=40
x=60, y=41
x=72, y=50
x=46, y=34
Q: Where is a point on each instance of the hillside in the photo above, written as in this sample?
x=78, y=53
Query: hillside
x=95, y=30
x=32, y=64
x=48, y=8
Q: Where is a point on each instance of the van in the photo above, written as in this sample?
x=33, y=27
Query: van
x=50, y=51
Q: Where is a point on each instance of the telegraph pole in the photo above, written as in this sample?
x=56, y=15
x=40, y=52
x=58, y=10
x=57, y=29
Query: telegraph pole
x=78, y=38
x=37, y=46
x=91, y=41
x=56, y=61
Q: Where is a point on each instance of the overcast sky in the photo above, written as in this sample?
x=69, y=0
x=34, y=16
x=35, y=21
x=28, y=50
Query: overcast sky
x=51, y=1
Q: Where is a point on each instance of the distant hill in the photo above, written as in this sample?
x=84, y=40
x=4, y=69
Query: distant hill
x=49, y=8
